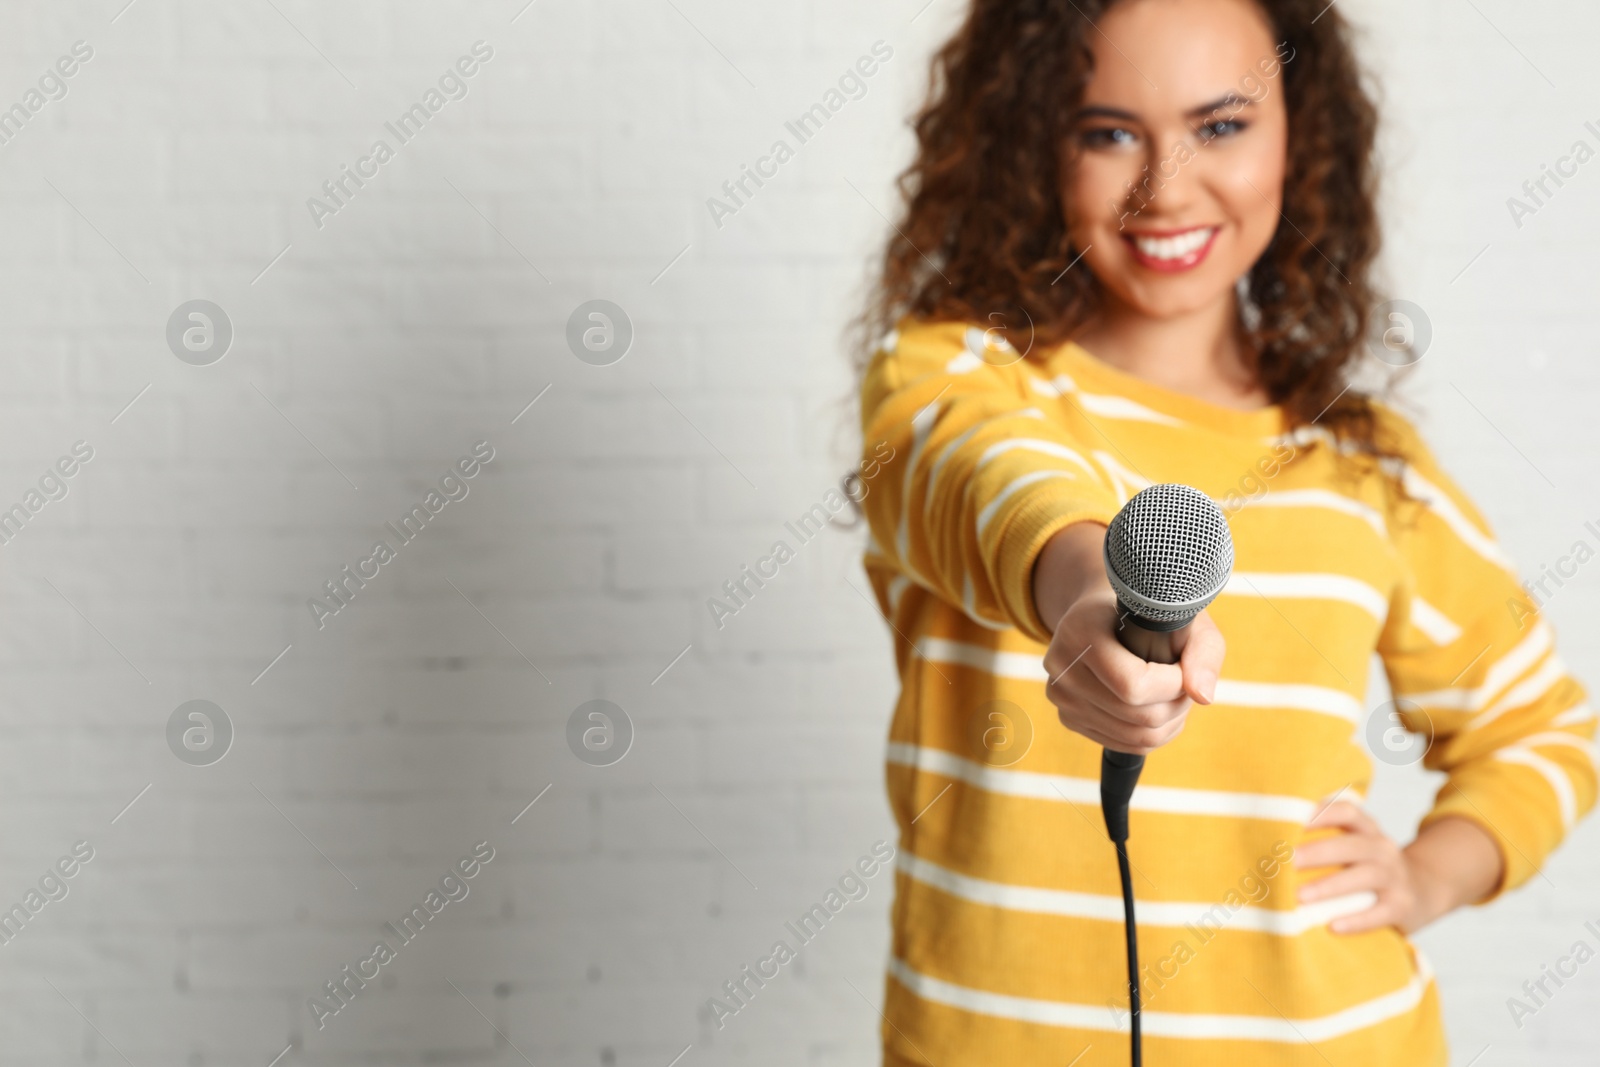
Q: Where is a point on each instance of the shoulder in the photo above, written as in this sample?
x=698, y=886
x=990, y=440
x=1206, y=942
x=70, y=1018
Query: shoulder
x=913, y=336
x=1403, y=453
x=1398, y=435
x=919, y=348
x=915, y=340
x=930, y=362
x=1427, y=482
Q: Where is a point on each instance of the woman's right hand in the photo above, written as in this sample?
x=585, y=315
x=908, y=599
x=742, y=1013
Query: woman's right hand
x=1099, y=688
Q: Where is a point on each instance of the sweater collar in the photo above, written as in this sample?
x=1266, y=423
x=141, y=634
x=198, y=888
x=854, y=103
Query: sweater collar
x=1095, y=376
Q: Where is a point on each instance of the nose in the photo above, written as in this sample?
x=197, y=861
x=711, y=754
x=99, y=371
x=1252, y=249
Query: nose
x=1170, y=183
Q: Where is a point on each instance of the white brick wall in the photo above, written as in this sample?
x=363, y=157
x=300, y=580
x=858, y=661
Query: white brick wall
x=416, y=321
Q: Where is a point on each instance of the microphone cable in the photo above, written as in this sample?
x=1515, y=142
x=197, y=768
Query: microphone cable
x=1131, y=928
x=1119, y=773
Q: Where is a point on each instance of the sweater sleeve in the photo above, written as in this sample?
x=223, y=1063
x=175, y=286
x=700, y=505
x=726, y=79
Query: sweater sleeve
x=979, y=479
x=1472, y=663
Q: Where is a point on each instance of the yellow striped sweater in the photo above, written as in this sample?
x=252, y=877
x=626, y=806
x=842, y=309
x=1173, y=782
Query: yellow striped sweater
x=1007, y=945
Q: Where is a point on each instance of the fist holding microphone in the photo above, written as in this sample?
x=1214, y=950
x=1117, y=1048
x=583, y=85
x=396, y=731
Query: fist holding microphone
x=1133, y=645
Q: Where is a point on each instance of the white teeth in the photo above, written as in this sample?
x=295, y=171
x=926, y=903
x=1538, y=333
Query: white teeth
x=1175, y=247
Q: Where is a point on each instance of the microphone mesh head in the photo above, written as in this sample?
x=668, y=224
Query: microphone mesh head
x=1169, y=553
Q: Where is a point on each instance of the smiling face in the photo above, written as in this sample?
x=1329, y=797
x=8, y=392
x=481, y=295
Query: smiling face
x=1176, y=164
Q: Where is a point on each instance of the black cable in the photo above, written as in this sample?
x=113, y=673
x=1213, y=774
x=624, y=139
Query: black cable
x=1119, y=773
x=1131, y=928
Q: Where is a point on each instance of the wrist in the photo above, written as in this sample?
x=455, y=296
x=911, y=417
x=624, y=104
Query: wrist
x=1069, y=567
x=1452, y=863
x=1434, y=895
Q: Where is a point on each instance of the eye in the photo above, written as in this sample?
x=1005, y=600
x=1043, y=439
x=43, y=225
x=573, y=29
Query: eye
x=1108, y=137
x=1220, y=128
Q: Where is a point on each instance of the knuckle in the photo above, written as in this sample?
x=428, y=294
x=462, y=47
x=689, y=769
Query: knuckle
x=1142, y=717
x=1139, y=693
x=1097, y=647
x=1147, y=738
x=1078, y=715
x=1122, y=685
x=1057, y=660
x=1159, y=717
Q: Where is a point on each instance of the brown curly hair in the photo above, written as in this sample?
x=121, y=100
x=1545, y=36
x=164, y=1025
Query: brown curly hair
x=982, y=231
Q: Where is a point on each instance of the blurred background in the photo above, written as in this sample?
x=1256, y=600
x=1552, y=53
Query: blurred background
x=357, y=341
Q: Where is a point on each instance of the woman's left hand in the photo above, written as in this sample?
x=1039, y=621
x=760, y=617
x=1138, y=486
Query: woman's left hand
x=1368, y=859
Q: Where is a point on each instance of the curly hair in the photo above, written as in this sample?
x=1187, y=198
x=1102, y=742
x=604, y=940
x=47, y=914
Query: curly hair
x=983, y=231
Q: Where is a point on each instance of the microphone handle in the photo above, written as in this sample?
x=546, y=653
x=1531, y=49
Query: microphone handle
x=1152, y=646
x=1119, y=771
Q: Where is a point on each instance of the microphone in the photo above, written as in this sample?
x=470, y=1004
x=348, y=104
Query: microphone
x=1168, y=554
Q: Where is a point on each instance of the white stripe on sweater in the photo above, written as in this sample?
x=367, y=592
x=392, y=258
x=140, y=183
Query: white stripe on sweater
x=1523, y=693
x=1433, y=623
x=1216, y=915
x=1028, y=667
x=1309, y=586
x=1565, y=740
x=1419, y=487
x=1320, y=498
x=1500, y=674
x=1105, y=405
x=1033, y=444
x=1018, y=483
x=1552, y=773
x=922, y=424
x=1573, y=716
x=1123, y=480
x=1441, y=505
x=1314, y=698
x=1059, y=788
x=1262, y=1027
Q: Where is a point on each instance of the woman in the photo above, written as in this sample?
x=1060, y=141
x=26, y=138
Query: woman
x=1136, y=249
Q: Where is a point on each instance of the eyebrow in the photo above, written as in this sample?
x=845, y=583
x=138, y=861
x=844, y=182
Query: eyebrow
x=1228, y=100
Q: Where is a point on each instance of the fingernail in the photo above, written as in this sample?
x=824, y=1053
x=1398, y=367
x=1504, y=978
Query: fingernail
x=1208, y=687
